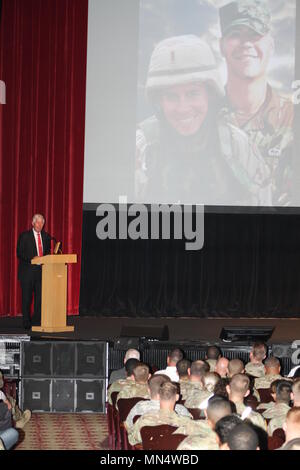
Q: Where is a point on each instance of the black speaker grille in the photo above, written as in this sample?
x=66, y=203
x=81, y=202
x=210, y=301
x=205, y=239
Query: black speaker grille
x=36, y=359
x=90, y=396
x=64, y=359
x=63, y=395
x=91, y=359
x=36, y=394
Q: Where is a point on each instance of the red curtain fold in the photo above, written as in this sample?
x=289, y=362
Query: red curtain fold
x=43, y=64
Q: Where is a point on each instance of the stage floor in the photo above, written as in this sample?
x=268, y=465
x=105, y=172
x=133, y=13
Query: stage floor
x=180, y=329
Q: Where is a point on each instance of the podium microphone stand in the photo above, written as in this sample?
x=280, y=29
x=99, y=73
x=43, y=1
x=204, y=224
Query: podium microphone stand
x=54, y=292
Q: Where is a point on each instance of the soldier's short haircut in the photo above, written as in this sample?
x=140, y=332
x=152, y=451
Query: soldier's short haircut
x=155, y=382
x=283, y=391
x=259, y=351
x=293, y=444
x=272, y=362
x=210, y=380
x=130, y=365
x=141, y=373
x=235, y=366
x=239, y=384
x=167, y=391
x=199, y=368
x=217, y=408
x=213, y=352
x=243, y=437
x=293, y=416
x=225, y=425
x=220, y=387
x=296, y=389
x=274, y=384
x=175, y=355
x=182, y=367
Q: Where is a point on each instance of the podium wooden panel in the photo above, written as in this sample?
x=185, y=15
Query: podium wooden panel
x=54, y=292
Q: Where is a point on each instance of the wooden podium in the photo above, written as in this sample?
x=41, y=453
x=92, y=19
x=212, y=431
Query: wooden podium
x=54, y=292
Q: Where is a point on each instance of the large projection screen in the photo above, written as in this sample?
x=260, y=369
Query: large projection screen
x=193, y=102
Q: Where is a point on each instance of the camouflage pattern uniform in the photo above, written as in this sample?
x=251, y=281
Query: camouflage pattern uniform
x=277, y=415
x=254, y=417
x=266, y=381
x=266, y=406
x=20, y=417
x=212, y=364
x=156, y=418
x=134, y=390
x=184, y=385
x=254, y=369
x=117, y=387
x=200, y=442
x=196, y=397
x=146, y=407
x=169, y=165
x=270, y=129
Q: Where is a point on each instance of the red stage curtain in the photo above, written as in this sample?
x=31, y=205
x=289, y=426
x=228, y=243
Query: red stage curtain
x=43, y=64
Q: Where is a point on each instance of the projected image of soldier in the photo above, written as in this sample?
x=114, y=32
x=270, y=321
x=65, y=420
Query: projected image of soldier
x=251, y=103
x=183, y=154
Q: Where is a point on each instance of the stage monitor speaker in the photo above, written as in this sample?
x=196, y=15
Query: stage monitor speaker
x=251, y=334
x=91, y=359
x=64, y=359
x=90, y=396
x=36, y=359
x=158, y=333
x=36, y=395
x=63, y=393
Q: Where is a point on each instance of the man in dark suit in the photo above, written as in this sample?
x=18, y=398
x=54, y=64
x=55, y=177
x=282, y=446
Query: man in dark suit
x=32, y=243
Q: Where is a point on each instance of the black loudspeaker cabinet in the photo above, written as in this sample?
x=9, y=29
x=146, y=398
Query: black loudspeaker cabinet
x=64, y=395
x=64, y=359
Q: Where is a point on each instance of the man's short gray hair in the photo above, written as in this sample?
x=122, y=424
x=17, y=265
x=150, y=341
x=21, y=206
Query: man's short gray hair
x=38, y=216
x=132, y=354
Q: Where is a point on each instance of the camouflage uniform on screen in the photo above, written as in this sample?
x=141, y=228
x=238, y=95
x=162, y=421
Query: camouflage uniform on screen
x=134, y=390
x=117, y=386
x=146, y=407
x=156, y=418
x=266, y=381
x=212, y=364
x=254, y=417
x=256, y=370
x=200, y=442
x=20, y=417
x=175, y=167
x=270, y=129
x=277, y=415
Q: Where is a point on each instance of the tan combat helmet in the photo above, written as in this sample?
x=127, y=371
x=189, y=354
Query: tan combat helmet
x=179, y=60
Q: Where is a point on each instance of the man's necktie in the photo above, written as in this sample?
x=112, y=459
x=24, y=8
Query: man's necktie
x=40, y=249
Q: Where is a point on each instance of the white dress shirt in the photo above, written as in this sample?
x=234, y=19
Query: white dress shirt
x=171, y=372
x=36, y=241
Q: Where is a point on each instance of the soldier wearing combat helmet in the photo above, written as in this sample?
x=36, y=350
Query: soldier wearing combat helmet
x=178, y=148
x=251, y=104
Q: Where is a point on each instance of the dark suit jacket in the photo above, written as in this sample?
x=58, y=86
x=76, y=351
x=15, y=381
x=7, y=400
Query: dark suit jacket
x=26, y=250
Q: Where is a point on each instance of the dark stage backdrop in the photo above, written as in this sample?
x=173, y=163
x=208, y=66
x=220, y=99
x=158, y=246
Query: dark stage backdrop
x=249, y=267
x=43, y=64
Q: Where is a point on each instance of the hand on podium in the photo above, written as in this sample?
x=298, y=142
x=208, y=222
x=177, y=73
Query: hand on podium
x=37, y=259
